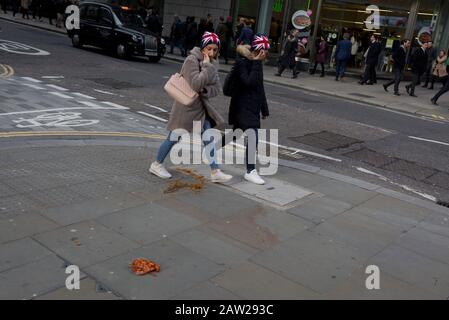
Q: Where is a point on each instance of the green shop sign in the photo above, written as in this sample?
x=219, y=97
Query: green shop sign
x=278, y=5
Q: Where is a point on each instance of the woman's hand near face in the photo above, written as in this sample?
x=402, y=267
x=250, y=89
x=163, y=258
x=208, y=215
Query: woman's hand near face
x=206, y=58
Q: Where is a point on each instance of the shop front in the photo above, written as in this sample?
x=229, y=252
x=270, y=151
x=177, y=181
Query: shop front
x=399, y=19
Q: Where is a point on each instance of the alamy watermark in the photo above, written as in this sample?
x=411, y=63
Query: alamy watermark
x=190, y=150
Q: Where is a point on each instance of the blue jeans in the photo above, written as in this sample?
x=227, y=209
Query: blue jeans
x=341, y=67
x=167, y=145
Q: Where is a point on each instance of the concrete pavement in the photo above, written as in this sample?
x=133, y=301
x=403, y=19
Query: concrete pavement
x=79, y=193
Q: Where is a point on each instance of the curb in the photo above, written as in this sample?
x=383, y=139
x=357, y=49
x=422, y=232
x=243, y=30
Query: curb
x=57, y=141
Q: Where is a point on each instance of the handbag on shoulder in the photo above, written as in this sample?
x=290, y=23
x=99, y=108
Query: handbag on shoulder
x=179, y=89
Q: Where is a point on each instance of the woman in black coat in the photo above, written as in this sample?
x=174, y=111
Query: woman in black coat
x=248, y=99
x=288, y=55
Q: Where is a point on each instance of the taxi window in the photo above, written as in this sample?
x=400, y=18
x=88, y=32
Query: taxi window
x=105, y=16
x=92, y=12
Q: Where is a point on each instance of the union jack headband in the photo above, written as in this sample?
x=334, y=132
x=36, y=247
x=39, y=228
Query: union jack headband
x=209, y=38
x=260, y=42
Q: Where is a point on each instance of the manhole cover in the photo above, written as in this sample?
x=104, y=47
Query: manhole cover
x=116, y=84
x=326, y=140
x=410, y=169
x=361, y=95
x=370, y=157
x=441, y=179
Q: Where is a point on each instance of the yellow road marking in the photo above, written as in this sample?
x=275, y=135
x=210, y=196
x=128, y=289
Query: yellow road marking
x=8, y=71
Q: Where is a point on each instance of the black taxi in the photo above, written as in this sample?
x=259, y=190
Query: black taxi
x=116, y=28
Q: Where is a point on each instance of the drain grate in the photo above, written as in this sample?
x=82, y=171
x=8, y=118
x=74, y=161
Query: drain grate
x=116, y=84
x=443, y=203
x=370, y=157
x=410, y=169
x=361, y=95
x=326, y=140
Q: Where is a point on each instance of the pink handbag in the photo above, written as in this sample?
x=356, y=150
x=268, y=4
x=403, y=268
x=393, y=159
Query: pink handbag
x=178, y=88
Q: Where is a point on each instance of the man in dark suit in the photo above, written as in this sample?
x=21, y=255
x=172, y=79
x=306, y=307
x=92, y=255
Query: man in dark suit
x=419, y=66
x=399, y=59
x=342, y=56
x=372, y=59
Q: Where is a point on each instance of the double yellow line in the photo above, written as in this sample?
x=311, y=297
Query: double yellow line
x=6, y=71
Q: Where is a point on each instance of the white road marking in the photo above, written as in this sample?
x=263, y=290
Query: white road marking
x=105, y=92
x=45, y=110
x=31, y=79
x=296, y=150
x=154, y=107
x=57, y=87
x=61, y=95
x=115, y=105
x=151, y=116
x=92, y=105
x=427, y=140
x=20, y=48
x=84, y=96
x=383, y=178
x=52, y=77
x=33, y=86
x=374, y=127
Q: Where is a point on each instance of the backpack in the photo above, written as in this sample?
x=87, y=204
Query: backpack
x=229, y=83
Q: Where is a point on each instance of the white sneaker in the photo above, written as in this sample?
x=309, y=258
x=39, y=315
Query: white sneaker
x=159, y=170
x=254, y=177
x=220, y=177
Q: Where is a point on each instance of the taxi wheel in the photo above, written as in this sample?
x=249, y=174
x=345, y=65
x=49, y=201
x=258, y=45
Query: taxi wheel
x=121, y=51
x=76, y=41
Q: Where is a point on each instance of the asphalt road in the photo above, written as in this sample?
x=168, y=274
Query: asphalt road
x=361, y=136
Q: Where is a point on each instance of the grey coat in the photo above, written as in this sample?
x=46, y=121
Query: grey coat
x=207, y=84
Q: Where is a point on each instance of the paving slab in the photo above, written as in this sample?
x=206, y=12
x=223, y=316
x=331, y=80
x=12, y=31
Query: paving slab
x=181, y=269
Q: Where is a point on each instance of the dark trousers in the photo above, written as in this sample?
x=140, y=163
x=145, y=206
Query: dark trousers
x=251, y=152
x=316, y=65
x=341, y=67
x=224, y=49
x=281, y=68
x=442, y=91
x=178, y=43
x=370, y=73
x=397, y=79
x=416, y=81
x=25, y=13
x=15, y=8
x=428, y=75
x=443, y=80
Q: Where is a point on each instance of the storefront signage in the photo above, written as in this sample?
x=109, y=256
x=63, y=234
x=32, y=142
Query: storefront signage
x=301, y=20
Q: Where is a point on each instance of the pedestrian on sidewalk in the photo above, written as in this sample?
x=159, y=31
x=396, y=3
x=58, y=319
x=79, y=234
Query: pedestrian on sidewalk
x=419, y=66
x=36, y=9
x=320, y=57
x=222, y=32
x=4, y=4
x=60, y=12
x=371, y=62
x=439, y=70
x=191, y=33
x=50, y=9
x=25, y=5
x=431, y=58
x=15, y=7
x=399, y=60
x=248, y=101
x=288, y=54
x=177, y=36
x=246, y=34
x=443, y=90
x=342, y=56
x=200, y=70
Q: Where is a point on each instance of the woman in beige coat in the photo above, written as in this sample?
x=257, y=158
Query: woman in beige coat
x=439, y=71
x=200, y=70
